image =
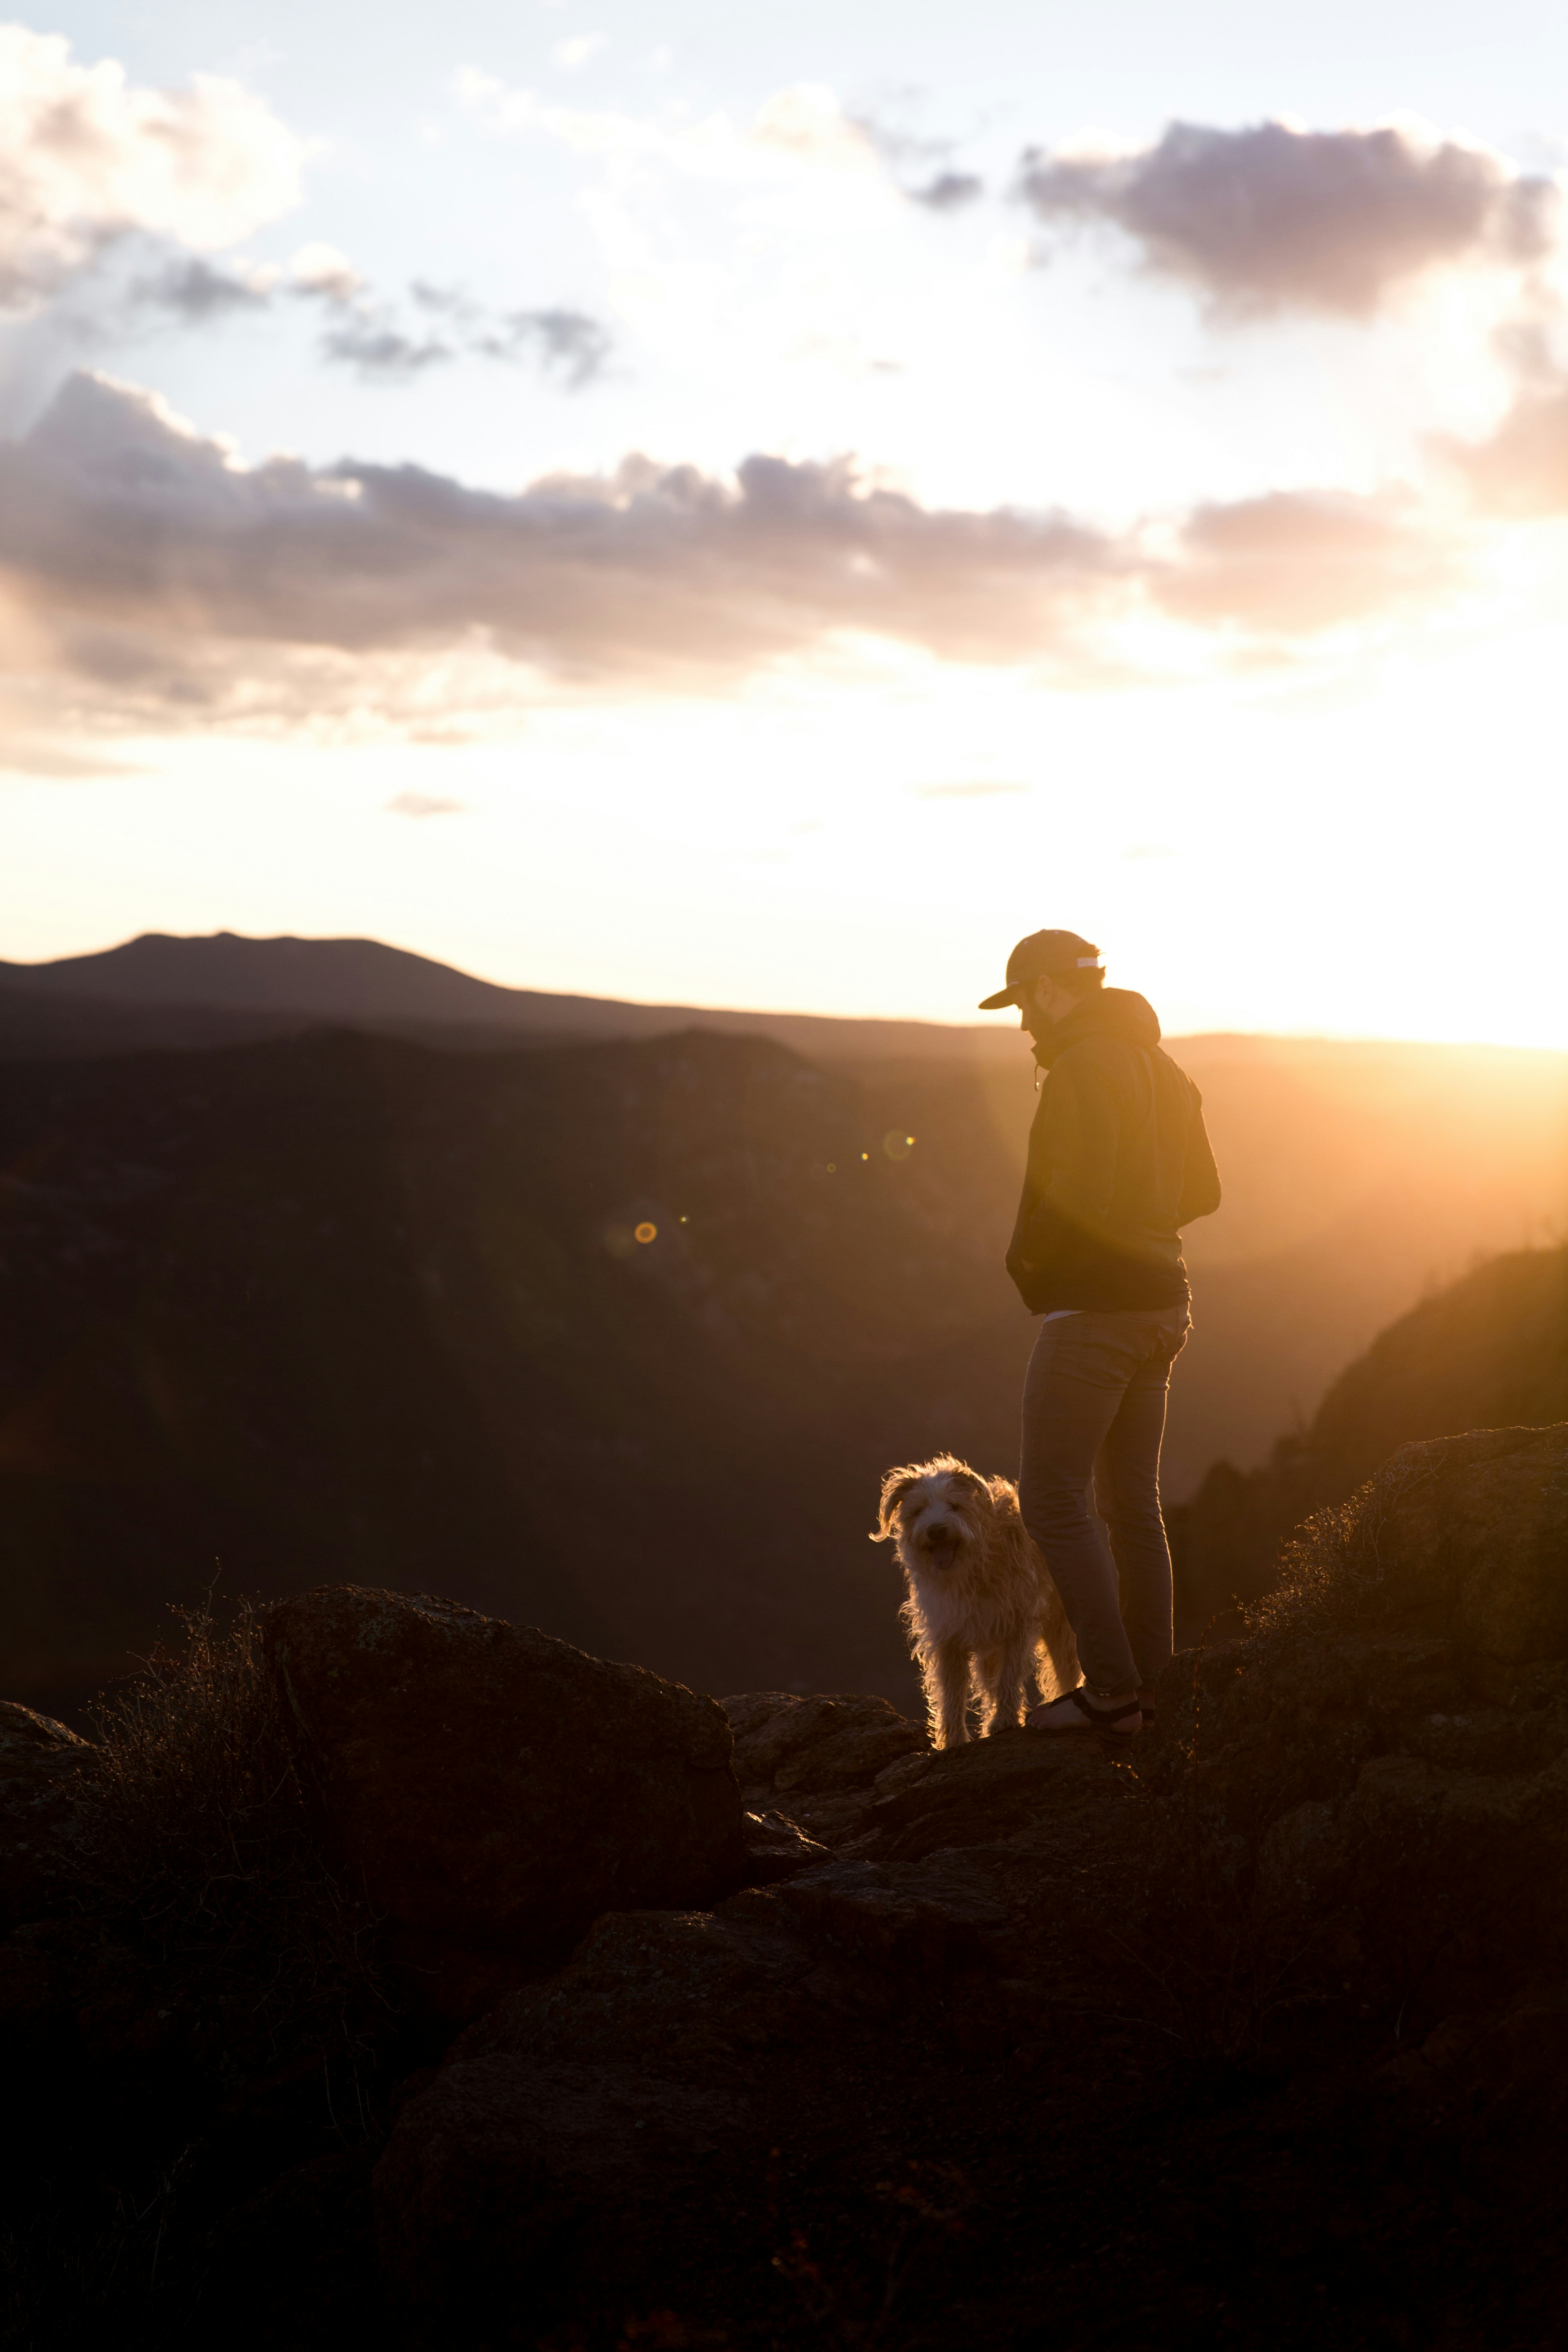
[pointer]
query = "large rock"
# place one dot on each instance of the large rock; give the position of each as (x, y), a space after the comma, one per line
(616, 2137)
(778, 1848)
(1389, 1755)
(1463, 1537)
(493, 1789)
(38, 1763)
(580, 2140)
(817, 1759)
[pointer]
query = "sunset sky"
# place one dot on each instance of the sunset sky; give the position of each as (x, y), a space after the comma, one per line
(763, 507)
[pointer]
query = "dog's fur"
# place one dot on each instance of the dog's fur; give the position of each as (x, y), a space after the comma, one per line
(982, 1612)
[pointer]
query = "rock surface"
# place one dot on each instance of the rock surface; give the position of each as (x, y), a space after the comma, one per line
(1401, 1788)
(38, 1760)
(493, 1789)
(778, 1848)
(1465, 1538)
(1254, 2031)
(1336, 1825)
(817, 1759)
(610, 2132)
(624, 2088)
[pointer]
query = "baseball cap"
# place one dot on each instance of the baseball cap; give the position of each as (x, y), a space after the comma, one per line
(1036, 958)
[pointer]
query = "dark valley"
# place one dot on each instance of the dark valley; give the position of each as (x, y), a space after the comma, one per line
(339, 1303)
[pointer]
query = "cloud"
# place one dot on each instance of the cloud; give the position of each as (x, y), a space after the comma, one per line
(807, 123)
(905, 149)
(568, 341)
(1520, 467)
(196, 292)
(92, 168)
(367, 336)
(85, 159)
(977, 792)
(22, 757)
(1296, 562)
(1275, 217)
(801, 127)
(423, 805)
(322, 271)
(381, 352)
(564, 342)
(120, 523)
(574, 55)
(158, 581)
(949, 192)
(363, 329)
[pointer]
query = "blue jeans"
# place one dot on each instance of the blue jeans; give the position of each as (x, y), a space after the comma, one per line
(1094, 1415)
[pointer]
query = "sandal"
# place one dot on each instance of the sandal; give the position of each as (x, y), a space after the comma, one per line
(1076, 1711)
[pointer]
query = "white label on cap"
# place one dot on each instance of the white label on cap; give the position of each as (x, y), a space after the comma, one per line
(1091, 963)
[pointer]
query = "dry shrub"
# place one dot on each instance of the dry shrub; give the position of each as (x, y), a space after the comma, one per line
(199, 1832)
(1324, 1585)
(1330, 1576)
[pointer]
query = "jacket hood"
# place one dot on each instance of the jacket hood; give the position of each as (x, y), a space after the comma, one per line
(1107, 1012)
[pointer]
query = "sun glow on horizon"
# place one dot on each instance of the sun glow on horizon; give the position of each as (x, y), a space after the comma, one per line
(1267, 858)
(881, 541)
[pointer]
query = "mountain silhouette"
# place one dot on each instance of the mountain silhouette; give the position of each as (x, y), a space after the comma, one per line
(146, 992)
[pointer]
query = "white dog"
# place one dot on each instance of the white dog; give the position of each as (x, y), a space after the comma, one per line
(981, 1610)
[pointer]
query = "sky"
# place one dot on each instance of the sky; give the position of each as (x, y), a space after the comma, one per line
(763, 508)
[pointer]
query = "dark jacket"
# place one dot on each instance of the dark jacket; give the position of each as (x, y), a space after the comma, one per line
(1119, 1162)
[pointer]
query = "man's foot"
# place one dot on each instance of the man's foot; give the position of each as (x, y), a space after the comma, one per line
(1077, 1711)
(1146, 1701)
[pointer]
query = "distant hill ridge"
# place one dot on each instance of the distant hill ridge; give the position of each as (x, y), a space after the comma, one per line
(365, 984)
(1355, 1172)
(166, 988)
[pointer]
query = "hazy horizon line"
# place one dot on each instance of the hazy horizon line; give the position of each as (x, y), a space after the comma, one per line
(958, 1023)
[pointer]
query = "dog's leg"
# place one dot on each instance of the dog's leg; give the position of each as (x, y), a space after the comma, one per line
(1013, 1666)
(990, 1682)
(1057, 1656)
(945, 1678)
(948, 1670)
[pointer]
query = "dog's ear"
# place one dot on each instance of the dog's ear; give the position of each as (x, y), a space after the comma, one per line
(895, 1486)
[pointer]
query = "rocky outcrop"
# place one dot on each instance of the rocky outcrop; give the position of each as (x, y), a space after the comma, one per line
(38, 1763)
(609, 2137)
(778, 1848)
(1471, 1533)
(1253, 2031)
(627, 2087)
(816, 1760)
(1338, 1822)
(491, 1789)
(1389, 1757)
(1464, 1537)
(1488, 1355)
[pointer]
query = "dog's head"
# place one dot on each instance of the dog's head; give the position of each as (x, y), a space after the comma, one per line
(935, 1511)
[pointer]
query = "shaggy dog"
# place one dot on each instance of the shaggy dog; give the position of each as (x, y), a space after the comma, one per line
(981, 1610)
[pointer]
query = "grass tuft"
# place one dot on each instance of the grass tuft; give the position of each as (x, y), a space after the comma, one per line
(1330, 1576)
(199, 1832)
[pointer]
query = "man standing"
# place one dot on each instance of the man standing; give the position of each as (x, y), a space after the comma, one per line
(1119, 1161)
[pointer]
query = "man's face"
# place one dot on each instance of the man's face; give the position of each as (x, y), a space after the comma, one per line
(1038, 1011)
